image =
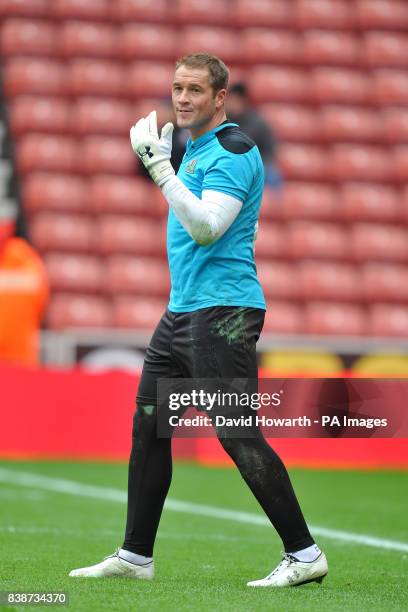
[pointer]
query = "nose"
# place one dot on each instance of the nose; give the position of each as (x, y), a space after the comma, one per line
(183, 97)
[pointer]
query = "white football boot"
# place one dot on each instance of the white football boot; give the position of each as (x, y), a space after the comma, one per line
(113, 566)
(291, 572)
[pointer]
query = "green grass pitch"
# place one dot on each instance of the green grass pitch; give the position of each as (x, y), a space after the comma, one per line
(202, 562)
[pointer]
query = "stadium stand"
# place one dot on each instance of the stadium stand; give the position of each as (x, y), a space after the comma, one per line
(329, 77)
(284, 318)
(138, 276)
(67, 310)
(279, 279)
(329, 281)
(75, 272)
(310, 201)
(46, 191)
(137, 312)
(39, 114)
(292, 122)
(63, 232)
(33, 76)
(334, 318)
(303, 362)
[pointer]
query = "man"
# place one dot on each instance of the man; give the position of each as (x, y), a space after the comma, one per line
(240, 111)
(213, 321)
(251, 122)
(23, 293)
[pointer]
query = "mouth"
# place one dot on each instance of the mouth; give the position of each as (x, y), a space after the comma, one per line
(183, 111)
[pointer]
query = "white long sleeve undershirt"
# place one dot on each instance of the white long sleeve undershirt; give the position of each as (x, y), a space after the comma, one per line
(205, 220)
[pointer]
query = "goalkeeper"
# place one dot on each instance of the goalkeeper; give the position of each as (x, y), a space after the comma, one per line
(213, 321)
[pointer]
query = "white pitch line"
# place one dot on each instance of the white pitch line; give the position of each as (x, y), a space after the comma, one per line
(35, 530)
(60, 485)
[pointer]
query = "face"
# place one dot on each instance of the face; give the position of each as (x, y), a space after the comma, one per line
(197, 107)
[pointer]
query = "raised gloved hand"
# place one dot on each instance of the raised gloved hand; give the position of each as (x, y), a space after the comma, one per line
(154, 152)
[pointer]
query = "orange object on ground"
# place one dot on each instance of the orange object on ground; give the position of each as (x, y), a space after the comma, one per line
(23, 295)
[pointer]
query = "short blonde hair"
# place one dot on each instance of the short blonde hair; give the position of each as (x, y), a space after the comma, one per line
(217, 70)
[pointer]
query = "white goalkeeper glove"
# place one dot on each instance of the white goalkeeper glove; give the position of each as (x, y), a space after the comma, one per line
(154, 152)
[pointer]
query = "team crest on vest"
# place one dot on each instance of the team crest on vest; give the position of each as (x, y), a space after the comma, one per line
(191, 166)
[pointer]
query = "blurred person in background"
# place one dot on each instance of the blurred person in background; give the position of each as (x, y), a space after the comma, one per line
(23, 293)
(240, 111)
(213, 321)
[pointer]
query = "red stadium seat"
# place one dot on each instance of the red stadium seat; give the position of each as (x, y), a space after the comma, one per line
(391, 87)
(271, 241)
(158, 204)
(140, 10)
(310, 201)
(400, 162)
(107, 155)
(336, 85)
(80, 9)
(53, 153)
(93, 77)
(264, 13)
(349, 124)
(404, 202)
(385, 282)
(140, 276)
(17, 8)
(271, 206)
(125, 234)
(149, 79)
(329, 281)
(322, 14)
(379, 242)
(59, 232)
(324, 318)
(26, 37)
(34, 76)
(382, 14)
(385, 49)
(87, 40)
(292, 122)
(283, 318)
(75, 311)
(262, 45)
(330, 48)
(396, 125)
(388, 320)
(309, 240)
(32, 114)
(370, 202)
(202, 11)
(101, 116)
(238, 73)
(119, 194)
(147, 41)
(138, 312)
(75, 272)
(304, 162)
(365, 163)
(54, 192)
(143, 106)
(280, 280)
(217, 41)
(267, 84)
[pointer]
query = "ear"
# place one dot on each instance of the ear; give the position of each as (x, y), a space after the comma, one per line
(220, 98)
